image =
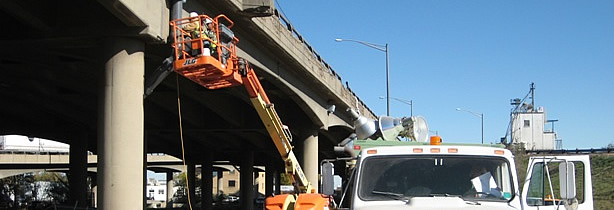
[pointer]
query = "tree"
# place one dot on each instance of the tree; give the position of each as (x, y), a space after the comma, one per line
(182, 190)
(21, 190)
(17, 191)
(58, 188)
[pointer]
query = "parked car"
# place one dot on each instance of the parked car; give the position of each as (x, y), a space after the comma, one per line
(231, 199)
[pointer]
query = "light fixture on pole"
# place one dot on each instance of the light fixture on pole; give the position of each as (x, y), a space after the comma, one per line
(480, 115)
(383, 48)
(408, 102)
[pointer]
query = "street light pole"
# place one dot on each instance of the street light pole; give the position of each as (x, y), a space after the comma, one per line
(480, 115)
(408, 102)
(387, 83)
(383, 48)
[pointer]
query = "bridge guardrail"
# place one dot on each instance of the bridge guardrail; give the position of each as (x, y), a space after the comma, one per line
(32, 152)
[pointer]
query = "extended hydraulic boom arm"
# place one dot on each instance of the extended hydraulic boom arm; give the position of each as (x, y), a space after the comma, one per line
(221, 68)
(279, 133)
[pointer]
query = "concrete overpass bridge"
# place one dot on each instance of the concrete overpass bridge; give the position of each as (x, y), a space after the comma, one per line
(15, 163)
(19, 162)
(73, 71)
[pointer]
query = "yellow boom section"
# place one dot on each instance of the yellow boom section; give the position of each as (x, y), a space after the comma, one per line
(281, 137)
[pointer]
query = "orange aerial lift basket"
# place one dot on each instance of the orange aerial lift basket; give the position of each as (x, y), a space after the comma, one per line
(206, 55)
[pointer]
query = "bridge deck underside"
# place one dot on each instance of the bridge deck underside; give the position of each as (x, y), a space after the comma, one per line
(51, 68)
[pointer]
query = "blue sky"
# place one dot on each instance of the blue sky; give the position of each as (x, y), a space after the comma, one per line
(473, 54)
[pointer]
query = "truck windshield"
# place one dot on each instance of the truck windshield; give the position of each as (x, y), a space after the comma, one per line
(471, 178)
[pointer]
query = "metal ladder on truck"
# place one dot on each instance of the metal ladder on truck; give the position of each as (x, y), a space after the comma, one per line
(221, 69)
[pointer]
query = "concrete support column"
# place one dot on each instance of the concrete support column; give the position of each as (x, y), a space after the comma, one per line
(220, 184)
(145, 178)
(206, 186)
(77, 176)
(95, 192)
(268, 182)
(278, 183)
(310, 158)
(247, 180)
(120, 144)
(191, 183)
(170, 184)
(280, 169)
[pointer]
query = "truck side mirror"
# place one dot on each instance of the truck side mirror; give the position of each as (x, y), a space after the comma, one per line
(567, 179)
(328, 179)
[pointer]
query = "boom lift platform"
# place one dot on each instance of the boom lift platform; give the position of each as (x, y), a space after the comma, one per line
(219, 67)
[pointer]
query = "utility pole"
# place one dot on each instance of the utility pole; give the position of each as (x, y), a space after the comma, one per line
(533, 95)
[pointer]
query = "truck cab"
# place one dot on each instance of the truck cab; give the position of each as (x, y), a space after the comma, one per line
(387, 173)
(417, 175)
(422, 176)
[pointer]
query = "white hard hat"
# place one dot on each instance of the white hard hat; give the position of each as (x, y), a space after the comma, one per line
(208, 20)
(193, 14)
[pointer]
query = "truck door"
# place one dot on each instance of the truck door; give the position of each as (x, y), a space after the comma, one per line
(558, 182)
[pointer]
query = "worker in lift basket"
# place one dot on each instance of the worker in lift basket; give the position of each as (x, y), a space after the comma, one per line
(210, 32)
(200, 30)
(483, 184)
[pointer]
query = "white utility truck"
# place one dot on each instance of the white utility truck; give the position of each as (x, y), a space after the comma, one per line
(391, 174)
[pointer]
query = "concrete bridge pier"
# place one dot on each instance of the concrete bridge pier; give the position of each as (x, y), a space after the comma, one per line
(247, 180)
(269, 174)
(220, 184)
(121, 143)
(77, 176)
(191, 179)
(278, 182)
(207, 181)
(169, 189)
(310, 158)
